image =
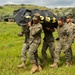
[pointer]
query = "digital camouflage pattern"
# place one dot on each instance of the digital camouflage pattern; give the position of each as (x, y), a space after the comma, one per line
(26, 43)
(72, 26)
(34, 42)
(64, 43)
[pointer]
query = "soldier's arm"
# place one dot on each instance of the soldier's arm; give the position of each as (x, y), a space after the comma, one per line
(52, 30)
(23, 29)
(74, 31)
(22, 32)
(70, 34)
(36, 30)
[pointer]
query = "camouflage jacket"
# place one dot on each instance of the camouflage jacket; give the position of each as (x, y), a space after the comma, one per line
(24, 29)
(72, 26)
(65, 34)
(35, 33)
(26, 32)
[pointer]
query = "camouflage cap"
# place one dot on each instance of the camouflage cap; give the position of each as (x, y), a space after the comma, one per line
(36, 16)
(69, 16)
(60, 18)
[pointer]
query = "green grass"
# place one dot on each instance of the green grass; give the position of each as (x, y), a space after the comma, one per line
(10, 54)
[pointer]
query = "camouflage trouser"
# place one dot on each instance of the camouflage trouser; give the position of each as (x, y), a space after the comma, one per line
(63, 47)
(24, 50)
(33, 54)
(51, 49)
(71, 53)
(71, 50)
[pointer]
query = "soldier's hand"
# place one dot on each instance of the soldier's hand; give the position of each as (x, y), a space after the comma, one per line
(67, 47)
(29, 24)
(20, 34)
(48, 28)
(52, 30)
(72, 37)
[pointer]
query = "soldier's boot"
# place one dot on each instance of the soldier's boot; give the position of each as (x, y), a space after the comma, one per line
(34, 68)
(54, 65)
(21, 65)
(68, 64)
(39, 68)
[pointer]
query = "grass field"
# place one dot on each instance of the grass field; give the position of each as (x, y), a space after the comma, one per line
(10, 54)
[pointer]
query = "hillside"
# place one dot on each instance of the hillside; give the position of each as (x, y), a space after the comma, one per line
(8, 9)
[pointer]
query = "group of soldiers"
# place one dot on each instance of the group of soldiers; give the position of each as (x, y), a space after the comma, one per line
(32, 31)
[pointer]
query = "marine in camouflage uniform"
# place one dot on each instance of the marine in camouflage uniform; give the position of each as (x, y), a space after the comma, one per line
(25, 30)
(48, 42)
(71, 26)
(63, 43)
(34, 42)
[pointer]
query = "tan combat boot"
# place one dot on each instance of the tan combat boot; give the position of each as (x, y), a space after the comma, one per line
(34, 68)
(68, 64)
(54, 65)
(39, 68)
(21, 65)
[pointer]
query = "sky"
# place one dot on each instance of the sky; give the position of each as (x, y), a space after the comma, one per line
(46, 3)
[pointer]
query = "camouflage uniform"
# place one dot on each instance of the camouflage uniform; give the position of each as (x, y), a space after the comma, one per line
(72, 26)
(65, 39)
(48, 42)
(35, 40)
(25, 45)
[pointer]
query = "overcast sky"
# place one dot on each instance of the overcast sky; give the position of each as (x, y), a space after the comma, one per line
(47, 3)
